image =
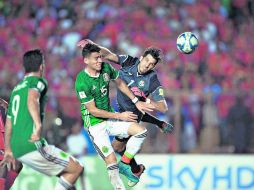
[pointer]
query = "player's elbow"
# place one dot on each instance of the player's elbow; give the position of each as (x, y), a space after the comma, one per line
(93, 112)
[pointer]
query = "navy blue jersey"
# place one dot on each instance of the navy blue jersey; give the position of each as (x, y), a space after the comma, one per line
(148, 83)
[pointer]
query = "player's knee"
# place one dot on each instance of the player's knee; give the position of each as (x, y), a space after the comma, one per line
(80, 169)
(75, 166)
(110, 159)
(141, 129)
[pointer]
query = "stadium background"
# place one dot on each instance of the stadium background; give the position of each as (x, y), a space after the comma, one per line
(209, 93)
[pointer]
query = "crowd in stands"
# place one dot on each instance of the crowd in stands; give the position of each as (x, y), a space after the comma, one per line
(201, 88)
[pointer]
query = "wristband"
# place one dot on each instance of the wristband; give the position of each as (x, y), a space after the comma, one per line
(148, 101)
(134, 100)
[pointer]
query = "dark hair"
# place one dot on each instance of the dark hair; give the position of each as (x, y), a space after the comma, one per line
(90, 48)
(154, 52)
(32, 60)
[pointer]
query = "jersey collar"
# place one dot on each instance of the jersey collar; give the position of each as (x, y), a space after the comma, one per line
(90, 75)
(29, 75)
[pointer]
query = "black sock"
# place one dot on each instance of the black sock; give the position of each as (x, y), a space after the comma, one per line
(134, 166)
(151, 119)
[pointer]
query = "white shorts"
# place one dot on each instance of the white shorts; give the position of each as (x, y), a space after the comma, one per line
(48, 160)
(100, 133)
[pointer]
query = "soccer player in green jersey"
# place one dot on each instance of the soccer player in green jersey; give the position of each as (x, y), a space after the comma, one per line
(23, 125)
(100, 121)
(141, 78)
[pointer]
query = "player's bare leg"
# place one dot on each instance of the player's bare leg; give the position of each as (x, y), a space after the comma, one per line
(69, 176)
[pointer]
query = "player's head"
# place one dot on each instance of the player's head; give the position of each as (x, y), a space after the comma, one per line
(92, 57)
(33, 61)
(149, 59)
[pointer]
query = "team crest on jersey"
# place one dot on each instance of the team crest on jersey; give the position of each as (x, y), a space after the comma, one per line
(141, 83)
(82, 95)
(106, 77)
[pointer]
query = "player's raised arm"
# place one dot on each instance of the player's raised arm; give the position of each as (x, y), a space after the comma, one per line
(141, 106)
(105, 52)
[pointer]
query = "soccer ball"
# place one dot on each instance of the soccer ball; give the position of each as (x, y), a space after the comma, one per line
(187, 42)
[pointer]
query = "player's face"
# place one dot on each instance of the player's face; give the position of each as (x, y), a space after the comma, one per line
(146, 64)
(94, 61)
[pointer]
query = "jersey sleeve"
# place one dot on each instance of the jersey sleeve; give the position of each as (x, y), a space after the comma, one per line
(83, 92)
(114, 73)
(156, 88)
(39, 84)
(127, 60)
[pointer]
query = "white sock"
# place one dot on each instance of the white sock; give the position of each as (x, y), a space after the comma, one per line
(63, 184)
(114, 177)
(135, 142)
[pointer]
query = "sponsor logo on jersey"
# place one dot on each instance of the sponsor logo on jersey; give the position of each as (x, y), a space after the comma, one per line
(106, 77)
(82, 94)
(141, 83)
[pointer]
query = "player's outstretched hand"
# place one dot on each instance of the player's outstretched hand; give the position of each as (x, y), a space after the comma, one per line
(143, 107)
(128, 116)
(83, 42)
(8, 160)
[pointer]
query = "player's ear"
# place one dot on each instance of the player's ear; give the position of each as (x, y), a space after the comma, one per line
(85, 60)
(41, 69)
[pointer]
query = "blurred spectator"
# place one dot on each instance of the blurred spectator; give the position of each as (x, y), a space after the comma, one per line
(76, 142)
(209, 136)
(239, 118)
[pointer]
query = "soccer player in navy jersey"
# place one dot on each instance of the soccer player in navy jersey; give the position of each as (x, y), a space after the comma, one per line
(139, 75)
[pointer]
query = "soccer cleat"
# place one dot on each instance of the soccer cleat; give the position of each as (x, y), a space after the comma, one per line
(142, 169)
(166, 127)
(125, 169)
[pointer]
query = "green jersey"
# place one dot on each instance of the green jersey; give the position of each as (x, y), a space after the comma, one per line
(89, 88)
(22, 122)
